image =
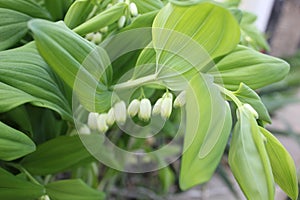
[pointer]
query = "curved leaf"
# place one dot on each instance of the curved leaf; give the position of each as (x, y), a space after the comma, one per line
(14, 188)
(13, 27)
(32, 81)
(13, 143)
(146, 6)
(85, 68)
(207, 131)
(283, 166)
(248, 158)
(28, 7)
(250, 67)
(72, 189)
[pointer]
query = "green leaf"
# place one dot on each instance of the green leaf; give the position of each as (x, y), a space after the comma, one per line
(25, 77)
(78, 13)
(283, 166)
(72, 190)
(13, 143)
(57, 8)
(14, 188)
(13, 27)
(167, 178)
(85, 68)
(211, 26)
(250, 67)
(141, 21)
(103, 19)
(207, 131)
(247, 95)
(58, 155)
(248, 158)
(28, 7)
(148, 5)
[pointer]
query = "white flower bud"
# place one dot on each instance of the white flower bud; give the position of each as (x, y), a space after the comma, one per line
(97, 38)
(101, 123)
(133, 107)
(120, 112)
(157, 107)
(45, 197)
(120, 1)
(109, 6)
(92, 120)
(251, 109)
(166, 107)
(133, 9)
(122, 21)
(111, 117)
(85, 130)
(104, 29)
(89, 36)
(145, 110)
(180, 100)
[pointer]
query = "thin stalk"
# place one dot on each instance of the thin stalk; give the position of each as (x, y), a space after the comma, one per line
(230, 94)
(133, 83)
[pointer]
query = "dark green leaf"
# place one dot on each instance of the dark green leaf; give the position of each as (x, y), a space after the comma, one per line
(13, 143)
(57, 155)
(13, 27)
(25, 77)
(72, 190)
(14, 188)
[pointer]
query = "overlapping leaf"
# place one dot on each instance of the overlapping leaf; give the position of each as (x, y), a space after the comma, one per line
(245, 65)
(13, 143)
(25, 77)
(85, 66)
(14, 188)
(207, 131)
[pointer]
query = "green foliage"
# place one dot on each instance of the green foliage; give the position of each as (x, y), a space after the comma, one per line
(202, 50)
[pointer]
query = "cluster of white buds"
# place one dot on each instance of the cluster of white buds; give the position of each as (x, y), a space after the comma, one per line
(132, 9)
(95, 38)
(141, 108)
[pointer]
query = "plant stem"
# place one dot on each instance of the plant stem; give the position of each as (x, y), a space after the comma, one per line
(133, 83)
(231, 96)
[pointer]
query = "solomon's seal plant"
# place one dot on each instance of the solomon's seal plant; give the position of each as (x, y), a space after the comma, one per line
(124, 82)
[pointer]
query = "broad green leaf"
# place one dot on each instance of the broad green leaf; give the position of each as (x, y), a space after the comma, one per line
(57, 8)
(78, 13)
(103, 19)
(14, 188)
(211, 26)
(29, 79)
(85, 68)
(148, 5)
(248, 158)
(13, 143)
(245, 65)
(74, 189)
(141, 21)
(247, 95)
(58, 155)
(28, 7)
(283, 166)
(207, 131)
(13, 27)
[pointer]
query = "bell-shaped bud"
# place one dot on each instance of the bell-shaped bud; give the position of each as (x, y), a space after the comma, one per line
(166, 107)
(180, 100)
(133, 108)
(122, 21)
(252, 110)
(120, 112)
(104, 29)
(89, 36)
(97, 38)
(145, 110)
(92, 120)
(111, 117)
(101, 123)
(84, 130)
(157, 107)
(133, 9)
